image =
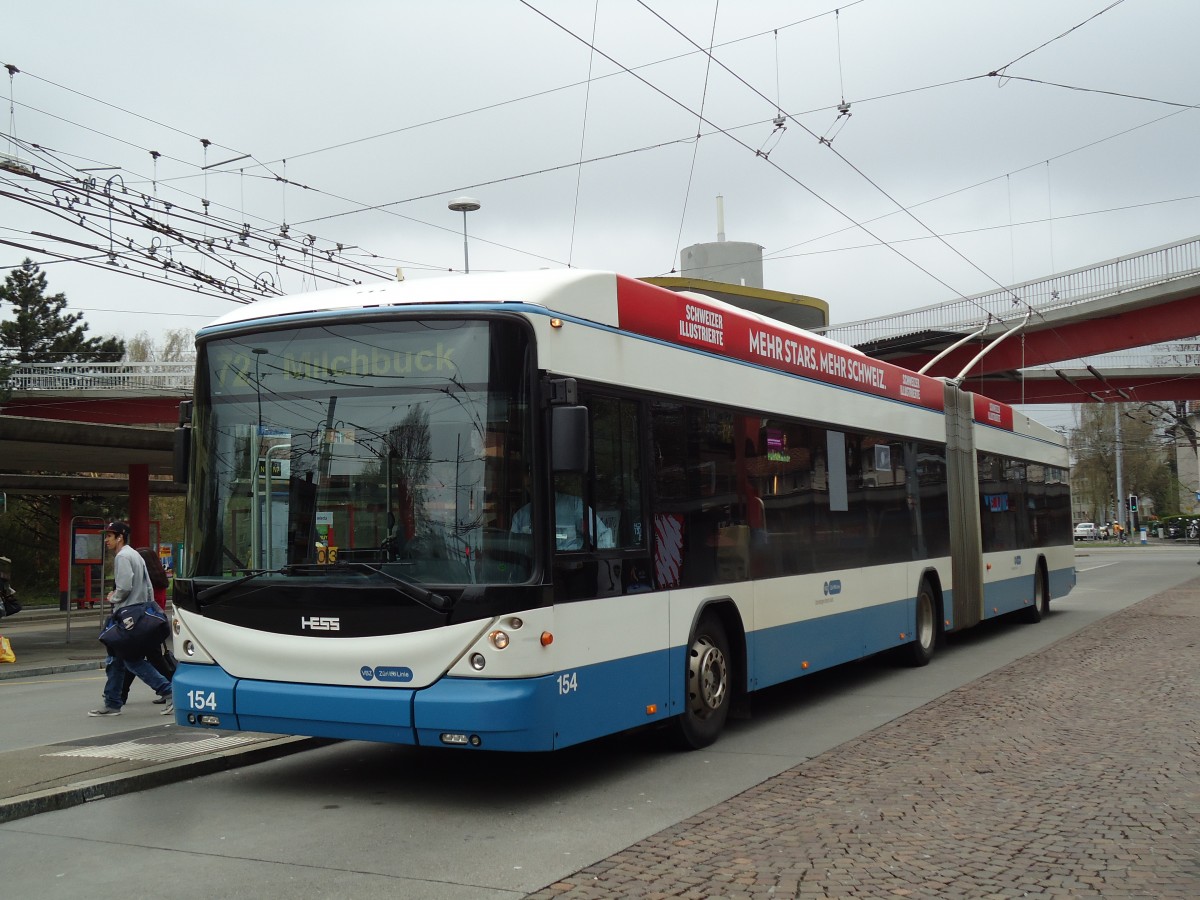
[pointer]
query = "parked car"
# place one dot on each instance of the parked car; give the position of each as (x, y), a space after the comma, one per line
(1087, 531)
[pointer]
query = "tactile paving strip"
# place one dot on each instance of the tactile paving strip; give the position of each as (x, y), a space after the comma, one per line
(157, 752)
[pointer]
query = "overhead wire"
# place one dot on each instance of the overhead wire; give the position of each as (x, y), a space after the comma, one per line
(307, 247)
(687, 191)
(543, 93)
(716, 130)
(1017, 300)
(1045, 44)
(284, 182)
(812, 191)
(900, 207)
(583, 137)
(81, 204)
(154, 180)
(1088, 90)
(835, 11)
(986, 228)
(277, 177)
(841, 157)
(970, 187)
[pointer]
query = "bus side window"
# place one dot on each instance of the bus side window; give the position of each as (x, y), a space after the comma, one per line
(616, 472)
(696, 504)
(601, 514)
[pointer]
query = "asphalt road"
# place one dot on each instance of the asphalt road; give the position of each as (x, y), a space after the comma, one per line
(364, 820)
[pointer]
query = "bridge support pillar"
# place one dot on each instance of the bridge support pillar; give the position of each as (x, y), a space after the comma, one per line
(64, 552)
(139, 505)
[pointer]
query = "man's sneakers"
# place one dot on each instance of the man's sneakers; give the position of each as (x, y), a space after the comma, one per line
(166, 699)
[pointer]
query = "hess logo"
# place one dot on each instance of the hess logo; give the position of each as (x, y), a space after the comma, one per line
(320, 623)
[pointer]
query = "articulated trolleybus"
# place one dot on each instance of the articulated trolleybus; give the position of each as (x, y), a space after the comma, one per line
(521, 511)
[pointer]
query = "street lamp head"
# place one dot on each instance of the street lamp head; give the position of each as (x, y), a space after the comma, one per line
(464, 204)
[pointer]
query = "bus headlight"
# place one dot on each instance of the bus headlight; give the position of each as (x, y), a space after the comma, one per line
(478, 662)
(499, 639)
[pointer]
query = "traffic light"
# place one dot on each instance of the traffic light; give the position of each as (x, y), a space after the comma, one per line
(1133, 503)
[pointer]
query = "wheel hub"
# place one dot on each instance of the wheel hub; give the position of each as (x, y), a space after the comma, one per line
(708, 678)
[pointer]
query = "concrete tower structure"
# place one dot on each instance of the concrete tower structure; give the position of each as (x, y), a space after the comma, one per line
(732, 271)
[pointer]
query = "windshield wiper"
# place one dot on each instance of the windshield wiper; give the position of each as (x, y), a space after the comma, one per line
(217, 589)
(436, 602)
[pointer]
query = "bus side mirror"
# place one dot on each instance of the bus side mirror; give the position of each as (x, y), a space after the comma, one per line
(183, 453)
(569, 439)
(183, 443)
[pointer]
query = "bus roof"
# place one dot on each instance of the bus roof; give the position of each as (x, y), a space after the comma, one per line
(549, 288)
(690, 320)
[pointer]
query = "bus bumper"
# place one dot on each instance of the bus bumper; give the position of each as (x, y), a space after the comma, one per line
(487, 714)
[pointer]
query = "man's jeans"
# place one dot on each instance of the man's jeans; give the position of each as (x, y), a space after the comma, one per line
(115, 682)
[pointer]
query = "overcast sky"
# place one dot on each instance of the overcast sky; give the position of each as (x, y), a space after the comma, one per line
(1086, 151)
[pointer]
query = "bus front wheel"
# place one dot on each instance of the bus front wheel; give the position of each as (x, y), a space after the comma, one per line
(709, 685)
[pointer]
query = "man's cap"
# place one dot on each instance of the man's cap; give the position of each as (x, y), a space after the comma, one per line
(118, 527)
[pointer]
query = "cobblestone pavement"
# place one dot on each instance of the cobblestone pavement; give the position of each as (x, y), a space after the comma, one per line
(1073, 772)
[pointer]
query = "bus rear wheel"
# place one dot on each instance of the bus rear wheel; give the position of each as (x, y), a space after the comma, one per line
(925, 627)
(1041, 598)
(709, 685)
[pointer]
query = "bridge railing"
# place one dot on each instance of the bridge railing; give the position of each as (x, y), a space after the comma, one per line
(154, 377)
(1170, 355)
(1160, 265)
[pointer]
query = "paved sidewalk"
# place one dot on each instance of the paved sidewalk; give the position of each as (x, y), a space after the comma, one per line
(42, 644)
(135, 757)
(1073, 772)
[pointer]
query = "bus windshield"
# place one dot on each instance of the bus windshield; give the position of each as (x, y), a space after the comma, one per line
(386, 448)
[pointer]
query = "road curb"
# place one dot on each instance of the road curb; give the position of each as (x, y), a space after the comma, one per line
(51, 670)
(52, 799)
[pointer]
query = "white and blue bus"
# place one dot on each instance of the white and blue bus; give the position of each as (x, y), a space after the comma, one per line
(521, 511)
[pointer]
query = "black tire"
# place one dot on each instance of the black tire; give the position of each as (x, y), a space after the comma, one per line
(709, 688)
(926, 627)
(1034, 613)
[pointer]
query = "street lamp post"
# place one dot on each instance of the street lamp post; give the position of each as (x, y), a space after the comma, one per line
(464, 205)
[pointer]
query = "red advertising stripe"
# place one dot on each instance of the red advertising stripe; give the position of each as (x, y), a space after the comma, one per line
(993, 412)
(718, 328)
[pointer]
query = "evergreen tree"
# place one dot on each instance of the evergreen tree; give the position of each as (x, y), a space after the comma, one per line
(36, 328)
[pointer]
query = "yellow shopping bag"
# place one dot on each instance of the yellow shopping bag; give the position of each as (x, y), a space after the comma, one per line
(6, 651)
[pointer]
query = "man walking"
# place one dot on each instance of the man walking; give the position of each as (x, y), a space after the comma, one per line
(131, 588)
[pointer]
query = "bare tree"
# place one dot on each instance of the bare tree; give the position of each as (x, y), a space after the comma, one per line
(177, 345)
(1145, 460)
